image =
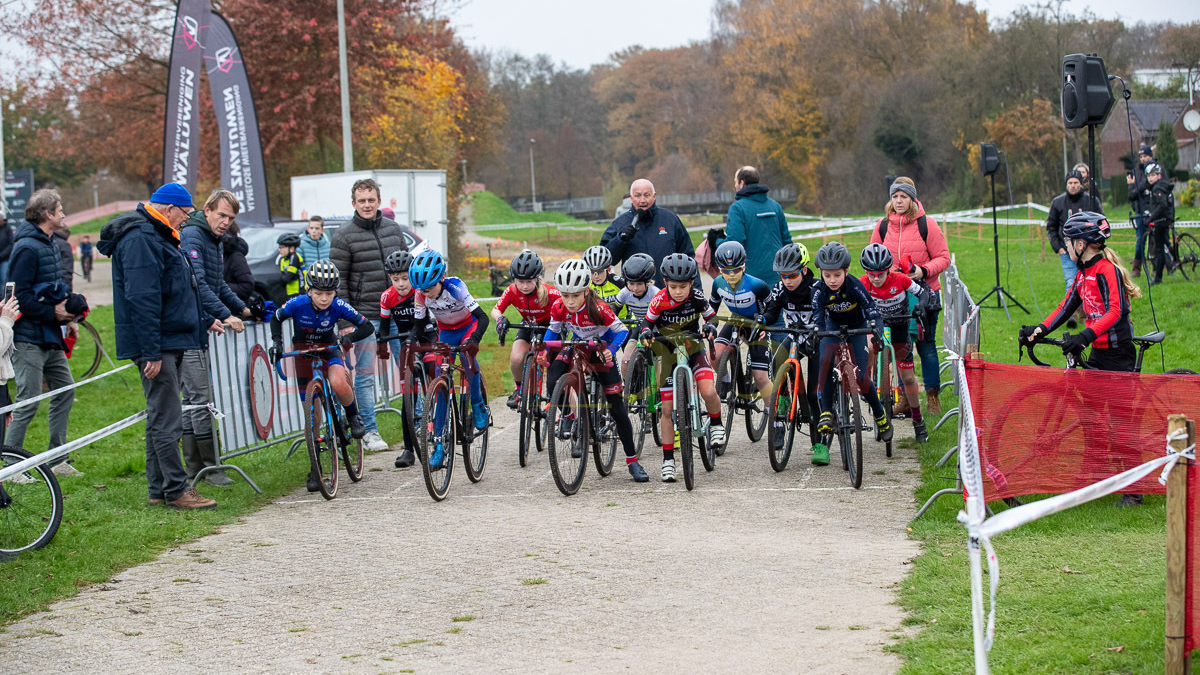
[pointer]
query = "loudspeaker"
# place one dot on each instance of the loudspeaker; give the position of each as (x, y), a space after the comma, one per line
(989, 158)
(1087, 95)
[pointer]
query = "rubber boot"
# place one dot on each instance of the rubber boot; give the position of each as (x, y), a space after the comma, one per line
(192, 460)
(932, 404)
(208, 454)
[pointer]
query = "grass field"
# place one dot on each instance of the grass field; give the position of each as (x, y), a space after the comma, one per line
(92, 226)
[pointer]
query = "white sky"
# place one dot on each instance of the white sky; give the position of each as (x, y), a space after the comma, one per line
(586, 32)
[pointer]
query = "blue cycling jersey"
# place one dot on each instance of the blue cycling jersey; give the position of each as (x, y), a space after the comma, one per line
(312, 326)
(745, 299)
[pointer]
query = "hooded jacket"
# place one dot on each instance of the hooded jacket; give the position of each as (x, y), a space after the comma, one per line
(904, 239)
(757, 222)
(358, 249)
(156, 299)
(197, 241)
(1061, 209)
(237, 269)
(313, 250)
(1161, 209)
(659, 234)
(35, 260)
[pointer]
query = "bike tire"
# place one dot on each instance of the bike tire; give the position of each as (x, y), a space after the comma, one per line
(89, 348)
(604, 431)
(474, 441)
(683, 424)
(850, 431)
(782, 427)
(755, 406)
(887, 399)
(415, 394)
(1187, 250)
(525, 433)
(567, 469)
(727, 392)
(438, 481)
(321, 439)
(637, 400)
(30, 512)
(352, 458)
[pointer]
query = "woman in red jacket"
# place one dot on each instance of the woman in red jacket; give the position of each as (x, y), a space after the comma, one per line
(912, 236)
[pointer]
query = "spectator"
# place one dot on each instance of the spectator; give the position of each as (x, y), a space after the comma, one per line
(38, 352)
(6, 244)
(10, 310)
(237, 269)
(314, 245)
(1160, 217)
(1139, 199)
(66, 257)
(291, 265)
(158, 316)
(1089, 185)
(624, 207)
(1074, 200)
(358, 249)
(916, 241)
(200, 240)
(757, 223)
(648, 229)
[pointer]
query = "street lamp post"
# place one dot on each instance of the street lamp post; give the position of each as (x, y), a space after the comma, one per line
(464, 171)
(532, 179)
(347, 141)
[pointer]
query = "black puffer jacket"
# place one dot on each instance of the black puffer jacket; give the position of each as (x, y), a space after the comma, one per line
(237, 269)
(659, 234)
(358, 249)
(197, 241)
(1161, 209)
(66, 259)
(1063, 207)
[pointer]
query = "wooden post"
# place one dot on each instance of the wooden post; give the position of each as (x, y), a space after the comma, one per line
(1178, 662)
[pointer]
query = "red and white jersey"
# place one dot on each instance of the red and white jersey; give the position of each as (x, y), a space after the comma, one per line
(665, 314)
(891, 299)
(528, 305)
(452, 309)
(610, 330)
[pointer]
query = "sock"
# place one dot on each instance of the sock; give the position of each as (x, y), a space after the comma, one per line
(352, 409)
(668, 451)
(632, 459)
(716, 419)
(916, 413)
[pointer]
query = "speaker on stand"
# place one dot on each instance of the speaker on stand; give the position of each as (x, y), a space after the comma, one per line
(989, 161)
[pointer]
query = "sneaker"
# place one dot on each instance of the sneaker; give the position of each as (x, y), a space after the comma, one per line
(820, 455)
(25, 478)
(920, 431)
(373, 442)
(514, 399)
(1129, 500)
(716, 436)
(313, 484)
(405, 460)
(190, 499)
(566, 426)
(482, 416)
(438, 458)
(885, 428)
(825, 423)
(668, 471)
(65, 469)
(357, 429)
(218, 478)
(638, 473)
(779, 434)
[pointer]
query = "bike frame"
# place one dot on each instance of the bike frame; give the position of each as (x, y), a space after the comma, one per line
(445, 370)
(334, 412)
(683, 367)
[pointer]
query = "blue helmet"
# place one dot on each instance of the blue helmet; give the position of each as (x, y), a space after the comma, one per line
(428, 268)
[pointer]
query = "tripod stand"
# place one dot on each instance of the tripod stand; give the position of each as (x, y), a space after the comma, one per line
(998, 290)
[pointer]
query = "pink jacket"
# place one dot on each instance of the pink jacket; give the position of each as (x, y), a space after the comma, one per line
(904, 238)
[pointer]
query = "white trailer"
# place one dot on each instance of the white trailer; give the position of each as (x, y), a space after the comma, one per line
(417, 196)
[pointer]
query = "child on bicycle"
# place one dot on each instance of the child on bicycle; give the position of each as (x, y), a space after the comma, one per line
(398, 305)
(890, 290)
(533, 299)
(635, 298)
(840, 299)
(582, 313)
(791, 300)
(315, 316)
(606, 285)
(460, 321)
(675, 310)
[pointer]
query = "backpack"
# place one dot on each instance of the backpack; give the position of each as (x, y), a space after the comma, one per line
(922, 227)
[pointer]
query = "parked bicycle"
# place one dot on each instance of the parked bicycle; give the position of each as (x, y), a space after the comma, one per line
(532, 405)
(847, 410)
(579, 416)
(31, 505)
(1182, 254)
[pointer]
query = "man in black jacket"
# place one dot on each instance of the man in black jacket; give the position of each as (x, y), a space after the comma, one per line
(1139, 189)
(1160, 217)
(1074, 200)
(648, 228)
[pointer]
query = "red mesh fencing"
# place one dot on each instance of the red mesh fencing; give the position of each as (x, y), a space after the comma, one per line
(1192, 599)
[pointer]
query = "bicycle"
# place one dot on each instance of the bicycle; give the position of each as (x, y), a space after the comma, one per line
(847, 412)
(688, 418)
(454, 401)
(531, 405)
(737, 389)
(325, 426)
(1143, 342)
(579, 413)
(1182, 254)
(31, 505)
(642, 397)
(795, 412)
(412, 389)
(884, 363)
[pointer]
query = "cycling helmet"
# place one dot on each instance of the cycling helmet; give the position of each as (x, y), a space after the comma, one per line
(679, 267)
(876, 258)
(833, 256)
(428, 268)
(397, 261)
(526, 265)
(729, 255)
(572, 276)
(791, 258)
(1153, 167)
(597, 258)
(1088, 226)
(323, 275)
(639, 267)
(288, 239)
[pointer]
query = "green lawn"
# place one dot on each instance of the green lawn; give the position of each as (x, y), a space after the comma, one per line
(488, 209)
(93, 225)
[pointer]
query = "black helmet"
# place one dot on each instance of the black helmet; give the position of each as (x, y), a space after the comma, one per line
(639, 267)
(876, 258)
(288, 239)
(791, 258)
(526, 265)
(679, 267)
(833, 256)
(597, 258)
(323, 275)
(397, 261)
(1087, 226)
(729, 255)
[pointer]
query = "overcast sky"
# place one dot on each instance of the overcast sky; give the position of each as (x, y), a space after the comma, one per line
(585, 32)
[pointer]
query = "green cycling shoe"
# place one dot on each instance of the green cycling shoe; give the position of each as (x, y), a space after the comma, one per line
(820, 455)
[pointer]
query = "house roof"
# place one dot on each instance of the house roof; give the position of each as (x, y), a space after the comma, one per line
(1152, 112)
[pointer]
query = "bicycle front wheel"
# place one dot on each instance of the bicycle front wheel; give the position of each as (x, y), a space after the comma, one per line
(438, 399)
(850, 431)
(321, 439)
(415, 395)
(727, 383)
(526, 433)
(604, 430)
(782, 431)
(566, 433)
(1187, 250)
(887, 396)
(637, 399)
(31, 506)
(474, 440)
(756, 407)
(683, 424)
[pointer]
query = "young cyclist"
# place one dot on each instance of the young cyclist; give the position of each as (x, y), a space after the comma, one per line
(890, 290)
(582, 313)
(635, 298)
(315, 316)
(460, 320)
(398, 306)
(533, 299)
(291, 265)
(599, 260)
(682, 307)
(840, 299)
(791, 300)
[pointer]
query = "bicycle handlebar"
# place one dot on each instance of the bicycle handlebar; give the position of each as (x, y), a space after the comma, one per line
(844, 332)
(535, 327)
(1027, 346)
(303, 352)
(559, 344)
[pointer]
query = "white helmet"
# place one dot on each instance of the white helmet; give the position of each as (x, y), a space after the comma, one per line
(572, 276)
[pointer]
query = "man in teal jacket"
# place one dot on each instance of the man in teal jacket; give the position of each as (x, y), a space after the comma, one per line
(756, 222)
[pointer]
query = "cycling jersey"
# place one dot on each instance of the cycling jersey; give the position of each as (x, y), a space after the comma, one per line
(312, 326)
(849, 306)
(610, 330)
(636, 306)
(1099, 290)
(453, 308)
(85, 250)
(669, 316)
(795, 306)
(401, 310)
(527, 305)
(891, 299)
(743, 300)
(608, 290)
(291, 273)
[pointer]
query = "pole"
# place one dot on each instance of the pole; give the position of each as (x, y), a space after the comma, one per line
(347, 141)
(532, 178)
(1178, 662)
(464, 165)
(1092, 183)
(996, 236)
(95, 196)
(3, 174)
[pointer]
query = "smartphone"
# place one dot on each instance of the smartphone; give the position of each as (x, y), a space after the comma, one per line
(10, 289)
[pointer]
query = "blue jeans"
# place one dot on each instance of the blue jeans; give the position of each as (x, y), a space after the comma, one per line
(927, 350)
(1139, 225)
(457, 337)
(364, 379)
(1069, 269)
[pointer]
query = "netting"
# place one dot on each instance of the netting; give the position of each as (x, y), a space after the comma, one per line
(1049, 430)
(1193, 583)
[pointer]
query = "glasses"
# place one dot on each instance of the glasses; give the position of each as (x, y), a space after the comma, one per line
(876, 274)
(730, 270)
(789, 277)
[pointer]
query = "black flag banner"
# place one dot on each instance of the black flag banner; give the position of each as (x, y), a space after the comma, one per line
(242, 170)
(181, 133)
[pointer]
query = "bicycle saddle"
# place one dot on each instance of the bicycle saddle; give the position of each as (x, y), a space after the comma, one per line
(1153, 338)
